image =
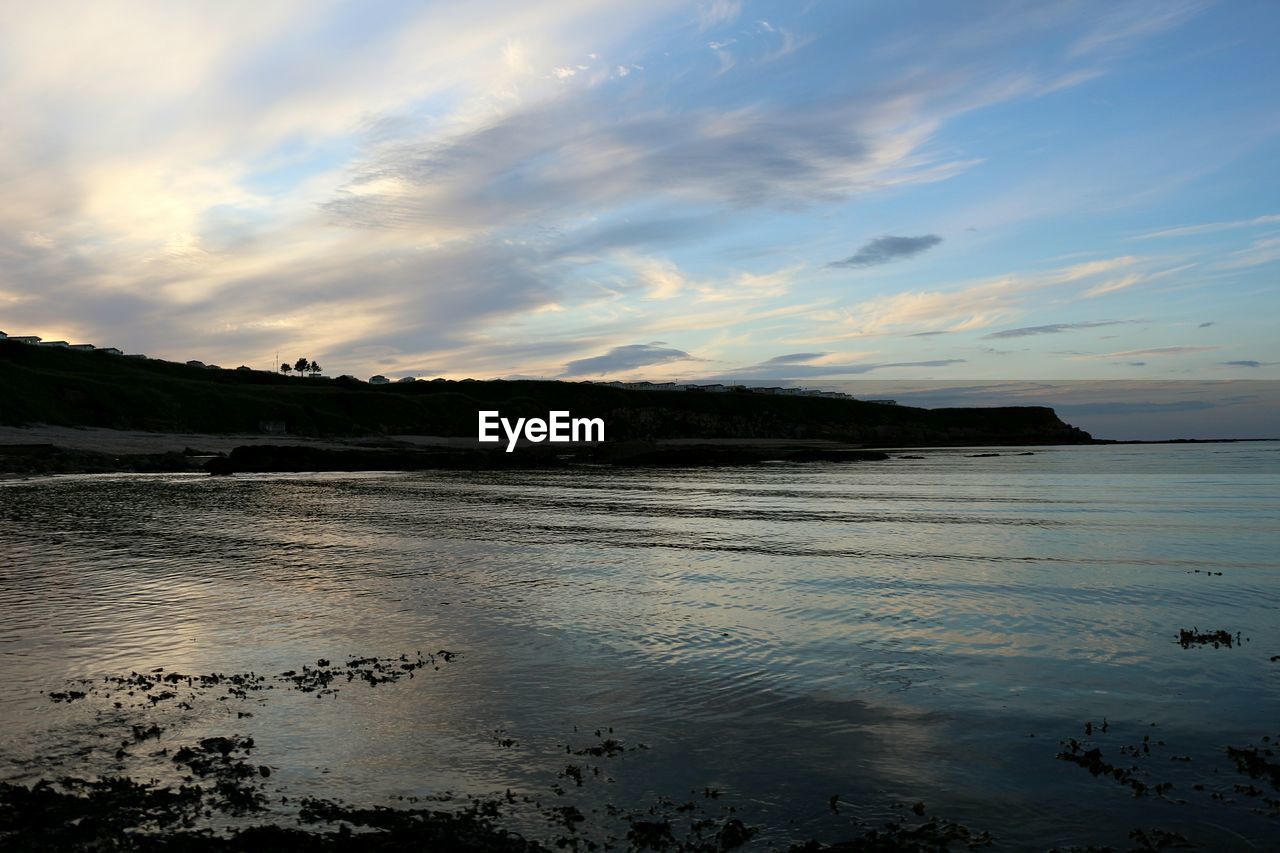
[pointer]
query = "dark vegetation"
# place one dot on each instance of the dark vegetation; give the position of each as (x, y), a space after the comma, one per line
(223, 794)
(69, 388)
(1196, 637)
(221, 777)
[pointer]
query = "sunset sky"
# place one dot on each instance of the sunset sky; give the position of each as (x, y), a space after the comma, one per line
(804, 192)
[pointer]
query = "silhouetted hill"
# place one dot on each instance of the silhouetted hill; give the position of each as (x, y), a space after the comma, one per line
(70, 388)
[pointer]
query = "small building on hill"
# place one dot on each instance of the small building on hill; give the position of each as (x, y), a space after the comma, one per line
(379, 380)
(195, 363)
(134, 355)
(83, 347)
(59, 344)
(26, 339)
(407, 379)
(110, 350)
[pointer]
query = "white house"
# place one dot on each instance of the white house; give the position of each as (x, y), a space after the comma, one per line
(110, 350)
(27, 339)
(407, 379)
(134, 355)
(378, 380)
(194, 363)
(3, 336)
(84, 347)
(62, 344)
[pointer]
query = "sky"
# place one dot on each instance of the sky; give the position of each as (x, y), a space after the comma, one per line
(778, 192)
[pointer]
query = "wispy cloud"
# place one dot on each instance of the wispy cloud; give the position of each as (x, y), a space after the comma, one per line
(883, 250)
(823, 366)
(1050, 329)
(968, 308)
(794, 358)
(1209, 227)
(1261, 252)
(624, 358)
(717, 13)
(1126, 23)
(1154, 351)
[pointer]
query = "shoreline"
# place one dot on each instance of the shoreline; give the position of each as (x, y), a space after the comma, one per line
(47, 450)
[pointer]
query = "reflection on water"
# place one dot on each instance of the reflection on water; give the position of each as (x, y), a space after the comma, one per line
(919, 629)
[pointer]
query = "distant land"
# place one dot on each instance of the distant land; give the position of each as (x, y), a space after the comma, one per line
(93, 389)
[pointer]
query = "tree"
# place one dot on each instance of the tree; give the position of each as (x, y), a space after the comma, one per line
(285, 368)
(302, 366)
(315, 368)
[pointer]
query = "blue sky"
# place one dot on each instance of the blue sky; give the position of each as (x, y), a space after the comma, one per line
(791, 192)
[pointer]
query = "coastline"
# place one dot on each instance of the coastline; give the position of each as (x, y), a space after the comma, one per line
(47, 449)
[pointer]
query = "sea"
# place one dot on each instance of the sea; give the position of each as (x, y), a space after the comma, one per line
(816, 649)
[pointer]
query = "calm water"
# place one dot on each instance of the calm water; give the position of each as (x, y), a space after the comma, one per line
(913, 630)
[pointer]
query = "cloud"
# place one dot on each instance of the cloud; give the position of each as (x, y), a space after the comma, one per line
(775, 370)
(632, 233)
(572, 155)
(883, 250)
(1205, 325)
(1209, 227)
(1154, 351)
(1125, 23)
(795, 358)
(624, 358)
(718, 12)
(966, 308)
(1261, 252)
(441, 194)
(1051, 329)
(1249, 363)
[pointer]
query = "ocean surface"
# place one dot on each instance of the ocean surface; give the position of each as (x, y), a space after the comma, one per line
(926, 630)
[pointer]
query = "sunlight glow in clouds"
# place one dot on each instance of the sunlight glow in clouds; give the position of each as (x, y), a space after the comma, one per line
(509, 188)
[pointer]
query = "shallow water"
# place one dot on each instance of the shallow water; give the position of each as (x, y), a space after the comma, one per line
(912, 630)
